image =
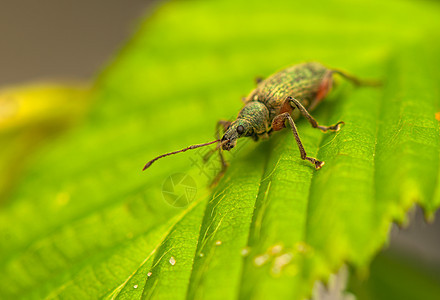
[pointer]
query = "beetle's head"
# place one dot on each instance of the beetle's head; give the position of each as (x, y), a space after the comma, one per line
(238, 128)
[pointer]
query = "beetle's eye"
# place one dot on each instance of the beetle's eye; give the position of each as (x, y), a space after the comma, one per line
(240, 129)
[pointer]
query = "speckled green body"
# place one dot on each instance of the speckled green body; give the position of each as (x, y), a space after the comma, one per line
(307, 82)
(299, 81)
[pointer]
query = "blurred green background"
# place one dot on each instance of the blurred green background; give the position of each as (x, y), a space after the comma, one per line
(77, 217)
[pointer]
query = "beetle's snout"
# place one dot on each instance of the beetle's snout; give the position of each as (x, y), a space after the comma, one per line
(227, 144)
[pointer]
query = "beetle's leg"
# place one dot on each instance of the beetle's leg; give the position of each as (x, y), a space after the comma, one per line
(222, 171)
(356, 81)
(221, 123)
(225, 125)
(278, 123)
(295, 103)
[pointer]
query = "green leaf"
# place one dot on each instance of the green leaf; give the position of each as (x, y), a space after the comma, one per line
(85, 222)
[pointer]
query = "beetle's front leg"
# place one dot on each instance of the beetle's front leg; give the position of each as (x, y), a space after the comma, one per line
(295, 103)
(278, 123)
(221, 125)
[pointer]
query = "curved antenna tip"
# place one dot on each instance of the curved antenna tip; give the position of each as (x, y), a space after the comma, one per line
(147, 165)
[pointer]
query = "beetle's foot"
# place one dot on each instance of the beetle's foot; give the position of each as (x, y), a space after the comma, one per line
(319, 164)
(337, 126)
(333, 128)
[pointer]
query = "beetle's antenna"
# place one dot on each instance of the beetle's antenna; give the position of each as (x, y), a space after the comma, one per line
(175, 152)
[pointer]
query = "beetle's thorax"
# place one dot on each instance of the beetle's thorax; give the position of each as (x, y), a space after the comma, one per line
(257, 114)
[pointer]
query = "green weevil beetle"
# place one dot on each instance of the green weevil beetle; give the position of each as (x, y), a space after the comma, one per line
(274, 104)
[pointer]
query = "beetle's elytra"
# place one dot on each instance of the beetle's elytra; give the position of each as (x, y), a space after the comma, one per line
(274, 104)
